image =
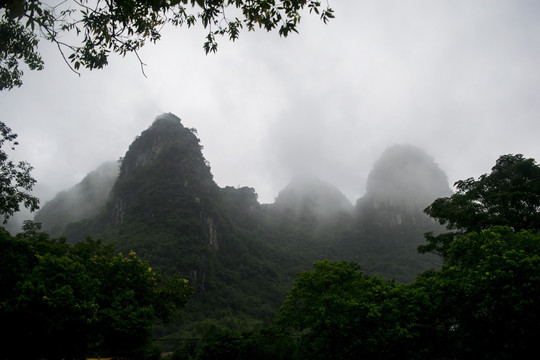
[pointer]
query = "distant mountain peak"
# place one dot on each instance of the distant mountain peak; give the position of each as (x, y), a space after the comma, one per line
(165, 159)
(403, 181)
(308, 193)
(165, 134)
(407, 172)
(167, 117)
(166, 206)
(81, 201)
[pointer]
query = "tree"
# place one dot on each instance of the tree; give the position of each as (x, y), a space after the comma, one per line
(508, 196)
(45, 298)
(124, 26)
(15, 179)
(341, 313)
(61, 301)
(16, 44)
(482, 304)
(485, 297)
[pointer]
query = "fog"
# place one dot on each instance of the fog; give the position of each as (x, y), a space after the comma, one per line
(407, 172)
(458, 79)
(82, 201)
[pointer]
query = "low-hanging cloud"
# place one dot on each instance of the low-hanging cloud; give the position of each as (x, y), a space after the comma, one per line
(456, 78)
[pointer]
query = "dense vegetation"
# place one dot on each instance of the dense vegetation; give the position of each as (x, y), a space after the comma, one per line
(67, 302)
(261, 286)
(241, 256)
(482, 303)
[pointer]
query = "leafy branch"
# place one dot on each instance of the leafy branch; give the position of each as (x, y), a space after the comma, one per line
(105, 27)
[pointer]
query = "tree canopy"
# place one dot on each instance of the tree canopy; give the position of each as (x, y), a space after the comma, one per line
(508, 196)
(484, 300)
(342, 313)
(61, 301)
(103, 27)
(482, 304)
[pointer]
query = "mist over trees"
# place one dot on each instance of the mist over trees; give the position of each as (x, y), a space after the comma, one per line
(308, 194)
(310, 276)
(81, 201)
(407, 173)
(404, 180)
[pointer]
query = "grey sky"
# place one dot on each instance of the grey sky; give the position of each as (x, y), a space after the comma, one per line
(459, 79)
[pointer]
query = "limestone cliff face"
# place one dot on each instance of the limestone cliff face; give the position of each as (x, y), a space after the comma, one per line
(403, 182)
(165, 198)
(165, 132)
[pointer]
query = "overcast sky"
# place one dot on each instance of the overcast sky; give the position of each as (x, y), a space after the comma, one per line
(458, 78)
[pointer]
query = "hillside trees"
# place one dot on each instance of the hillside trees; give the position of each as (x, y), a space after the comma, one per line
(342, 313)
(124, 26)
(62, 301)
(15, 179)
(482, 304)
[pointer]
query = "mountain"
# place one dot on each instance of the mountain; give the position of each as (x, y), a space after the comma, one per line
(80, 202)
(389, 219)
(241, 256)
(309, 195)
(403, 182)
(167, 208)
(163, 202)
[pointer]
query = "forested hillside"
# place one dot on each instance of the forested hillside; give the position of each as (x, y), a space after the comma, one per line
(241, 256)
(82, 201)
(410, 271)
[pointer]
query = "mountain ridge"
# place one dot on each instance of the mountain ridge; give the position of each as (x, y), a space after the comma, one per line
(242, 256)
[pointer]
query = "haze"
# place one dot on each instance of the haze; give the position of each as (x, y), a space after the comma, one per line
(458, 79)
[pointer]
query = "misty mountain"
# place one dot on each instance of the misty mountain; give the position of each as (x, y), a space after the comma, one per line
(162, 200)
(406, 173)
(309, 195)
(241, 256)
(82, 201)
(389, 219)
(403, 182)
(166, 207)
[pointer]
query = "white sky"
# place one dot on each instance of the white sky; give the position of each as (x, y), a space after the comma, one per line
(458, 78)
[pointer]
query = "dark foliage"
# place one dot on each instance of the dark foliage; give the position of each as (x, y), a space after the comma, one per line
(102, 28)
(15, 179)
(508, 196)
(67, 302)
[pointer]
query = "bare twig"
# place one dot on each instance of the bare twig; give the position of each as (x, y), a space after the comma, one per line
(141, 62)
(64, 56)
